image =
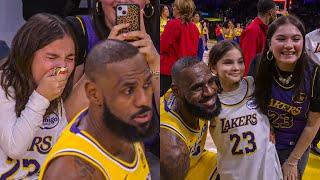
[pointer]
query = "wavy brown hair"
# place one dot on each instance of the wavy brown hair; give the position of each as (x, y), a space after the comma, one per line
(39, 31)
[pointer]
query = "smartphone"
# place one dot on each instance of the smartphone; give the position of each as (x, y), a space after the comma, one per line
(128, 13)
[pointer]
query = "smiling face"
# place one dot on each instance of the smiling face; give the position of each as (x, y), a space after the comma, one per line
(230, 69)
(109, 9)
(286, 46)
(198, 90)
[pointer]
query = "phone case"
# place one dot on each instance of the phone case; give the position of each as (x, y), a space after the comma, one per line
(128, 13)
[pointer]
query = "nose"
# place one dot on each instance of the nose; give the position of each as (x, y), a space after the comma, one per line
(142, 98)
(60, 63)
(288, 44)
(236, 66)
(209, 90)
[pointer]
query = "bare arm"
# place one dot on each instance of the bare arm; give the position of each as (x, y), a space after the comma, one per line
(174, 156)
(306, 137)
(71, 167)
(289, 168)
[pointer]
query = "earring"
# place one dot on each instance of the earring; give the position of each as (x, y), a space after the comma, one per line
(269, 58)
(148, 10)
(97, 7)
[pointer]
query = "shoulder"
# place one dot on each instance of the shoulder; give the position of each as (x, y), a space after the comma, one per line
(77, 169)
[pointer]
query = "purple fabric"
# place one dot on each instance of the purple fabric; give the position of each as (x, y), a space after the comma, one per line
(289, 122)
(93, 38)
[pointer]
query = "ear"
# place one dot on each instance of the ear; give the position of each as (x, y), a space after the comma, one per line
(175, 90)
(214, 70)
(94, 93)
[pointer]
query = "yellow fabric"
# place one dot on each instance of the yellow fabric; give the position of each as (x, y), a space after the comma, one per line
(312, 170)
(237, 31)
(198, 24)
(202, 163)
(163, 23)
(84, 146)
(206, 167)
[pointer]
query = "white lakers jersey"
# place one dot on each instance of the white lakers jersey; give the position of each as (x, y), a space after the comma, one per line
(29, 166)
(241, 134)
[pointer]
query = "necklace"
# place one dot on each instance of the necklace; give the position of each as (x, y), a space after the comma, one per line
(283, 80)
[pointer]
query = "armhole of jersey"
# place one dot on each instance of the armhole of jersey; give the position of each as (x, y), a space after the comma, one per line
(87, 158)
(313, 80)
(174, 131)
(84, 34)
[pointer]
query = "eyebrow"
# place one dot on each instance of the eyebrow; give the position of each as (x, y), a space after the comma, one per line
(56, 55)
(283, 35)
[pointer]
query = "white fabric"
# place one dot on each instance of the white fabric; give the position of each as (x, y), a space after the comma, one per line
(312, 45)
(252, 128)
(27, 138)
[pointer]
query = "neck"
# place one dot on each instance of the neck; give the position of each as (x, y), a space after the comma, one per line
(117, 146)
(185, 115)
(230, 86)
(264, 19)
(285, 67)
(164, 17)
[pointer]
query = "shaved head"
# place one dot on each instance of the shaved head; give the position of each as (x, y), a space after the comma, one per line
(108, 51)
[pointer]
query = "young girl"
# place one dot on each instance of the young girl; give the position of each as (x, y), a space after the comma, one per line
(241, 132)
(34, 80)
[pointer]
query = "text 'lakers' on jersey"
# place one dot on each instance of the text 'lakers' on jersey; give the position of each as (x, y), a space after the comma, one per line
(241, 134)
(202, 162)
(44, 139)
(76, 142)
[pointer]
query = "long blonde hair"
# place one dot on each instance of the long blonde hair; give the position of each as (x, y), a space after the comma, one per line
(185, 9)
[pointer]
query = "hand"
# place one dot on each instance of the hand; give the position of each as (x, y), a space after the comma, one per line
(51, 87)
(272, 137)
(145, 45)
(114, 33)
(290, 171)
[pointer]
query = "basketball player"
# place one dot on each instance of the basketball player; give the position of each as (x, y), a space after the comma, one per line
(241, 132)
(184, 113)
(104, 141)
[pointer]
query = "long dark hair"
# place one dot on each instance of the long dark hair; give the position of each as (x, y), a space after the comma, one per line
(39, 31)
(266, 68)
(152, 23)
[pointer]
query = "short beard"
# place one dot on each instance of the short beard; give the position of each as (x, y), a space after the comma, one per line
(201, 112)
(127, 131)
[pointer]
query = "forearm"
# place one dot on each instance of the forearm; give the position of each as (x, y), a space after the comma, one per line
(17, 133)
(304, 141)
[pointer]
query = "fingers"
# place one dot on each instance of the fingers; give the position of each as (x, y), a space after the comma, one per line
(142, 26)
(114, 33)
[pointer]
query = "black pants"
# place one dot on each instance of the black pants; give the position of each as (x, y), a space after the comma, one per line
(165, 84)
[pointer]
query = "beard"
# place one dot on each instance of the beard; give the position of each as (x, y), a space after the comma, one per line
(202, 112)
(127, 131)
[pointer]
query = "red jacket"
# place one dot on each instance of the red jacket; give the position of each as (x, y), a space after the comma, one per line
(252, 41)
(177, 40)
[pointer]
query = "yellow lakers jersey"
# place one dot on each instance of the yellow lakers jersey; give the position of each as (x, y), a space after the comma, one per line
(76, 142)
(170, 120)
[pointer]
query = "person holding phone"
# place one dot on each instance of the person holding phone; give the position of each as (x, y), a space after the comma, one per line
(35, 78)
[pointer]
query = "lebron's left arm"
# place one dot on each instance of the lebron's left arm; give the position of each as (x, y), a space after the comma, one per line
(174, 156)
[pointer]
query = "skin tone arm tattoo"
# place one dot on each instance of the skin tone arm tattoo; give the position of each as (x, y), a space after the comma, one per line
(174, 156)
(71, 167)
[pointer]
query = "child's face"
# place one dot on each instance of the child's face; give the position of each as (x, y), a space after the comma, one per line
(230, 68)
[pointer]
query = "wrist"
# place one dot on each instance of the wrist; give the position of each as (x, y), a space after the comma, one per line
(292, 160)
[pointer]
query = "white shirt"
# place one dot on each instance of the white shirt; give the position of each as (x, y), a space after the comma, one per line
(241, 135)
(312, 45)
(26, 140)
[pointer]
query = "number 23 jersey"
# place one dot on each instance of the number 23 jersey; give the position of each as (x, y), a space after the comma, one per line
(241, 134)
